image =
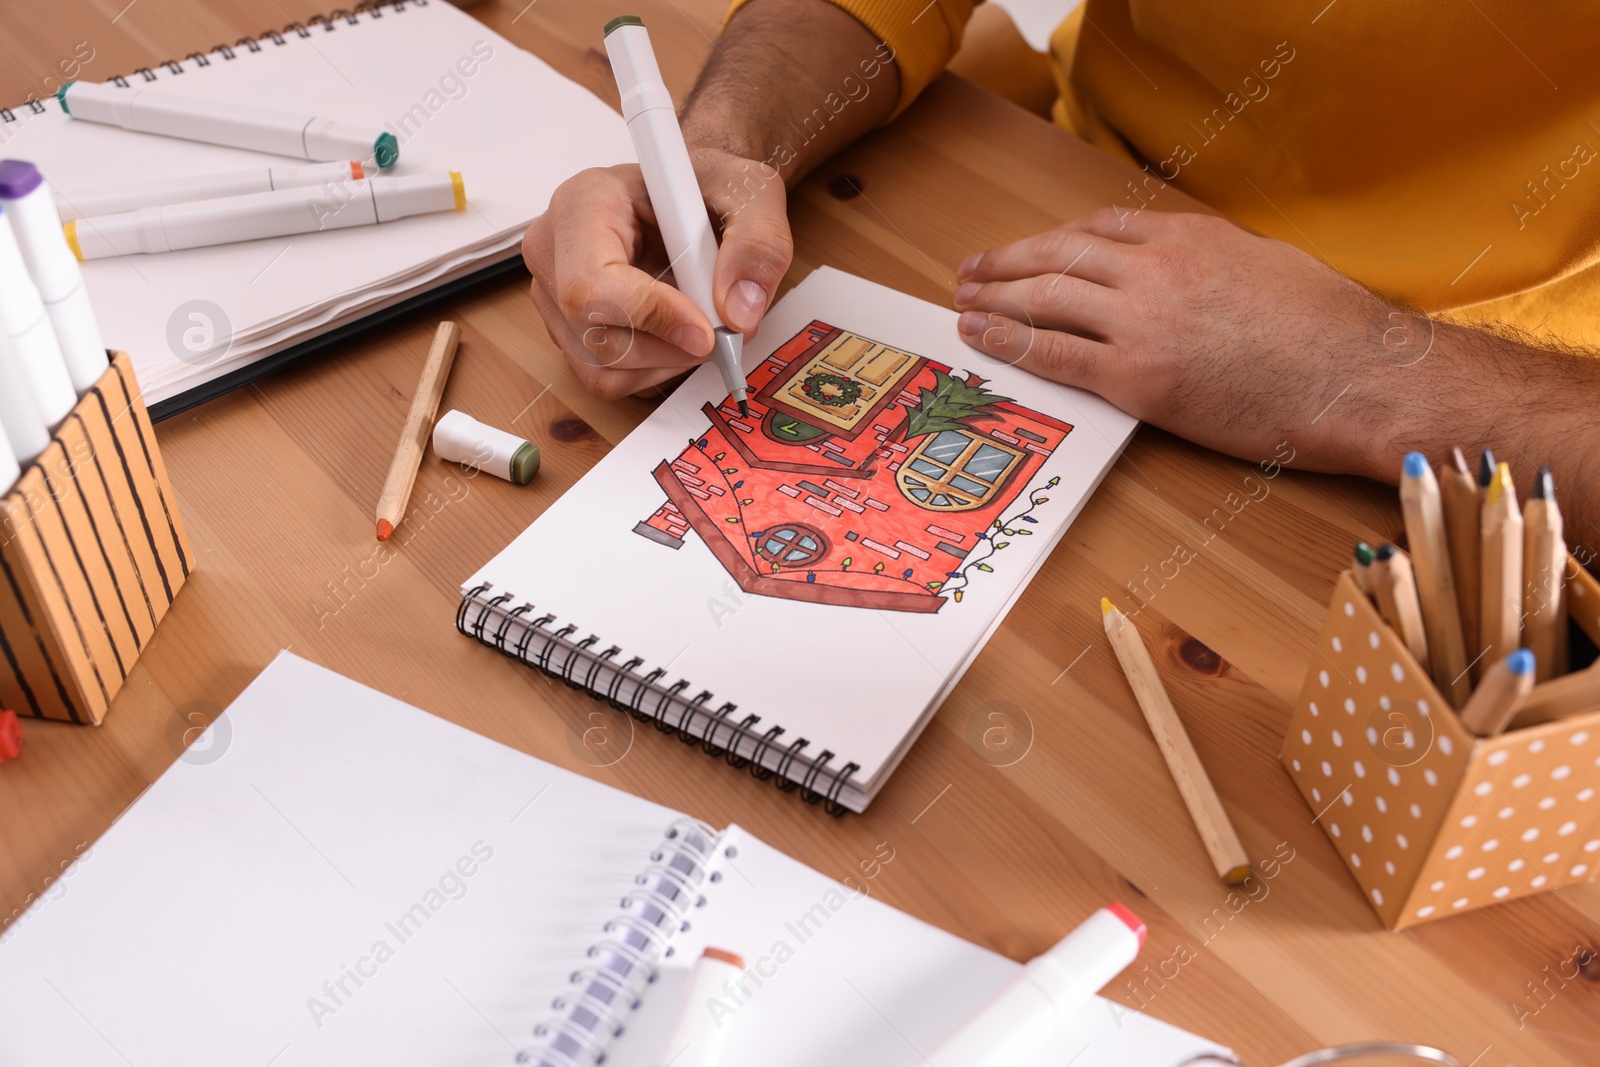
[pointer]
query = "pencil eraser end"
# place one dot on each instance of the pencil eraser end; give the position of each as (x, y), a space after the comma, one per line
(1415, 465)
(1129, 919)
(61, 97)
(1522, 661)
(1238, 876)
(386, 150)
(10, 736)
(385, 529)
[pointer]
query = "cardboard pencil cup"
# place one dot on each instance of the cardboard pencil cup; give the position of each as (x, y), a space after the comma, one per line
(1430, 820)
(92, 553)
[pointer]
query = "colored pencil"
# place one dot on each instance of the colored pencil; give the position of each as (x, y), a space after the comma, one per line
(1436, 585)
(1544, 559)
(1361, 569)
(1571, 694)
(1462, 500)
(1506, 684)
(419, 423)
(1500, 591)
(1395, 589)
(1205, 807)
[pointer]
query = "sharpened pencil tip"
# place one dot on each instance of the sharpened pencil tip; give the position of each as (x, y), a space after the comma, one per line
(1364, 553)
(385, 529)
(1385, 553)
(1521, 661)
(1458, 460)
(1544, 486)
(1500, 483)
(1106, 606)
(1238, 876)
(1416, 465)
(1485, 468)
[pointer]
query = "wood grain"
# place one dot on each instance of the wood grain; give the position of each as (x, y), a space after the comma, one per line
(277, 484)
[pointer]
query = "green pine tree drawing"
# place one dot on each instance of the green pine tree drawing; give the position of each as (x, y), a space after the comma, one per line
(952, 404)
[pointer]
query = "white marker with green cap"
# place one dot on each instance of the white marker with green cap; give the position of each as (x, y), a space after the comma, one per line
(230, 219)
(675, 196)
(234, 125)
(28, 203)
(29, 338)
(115, 199)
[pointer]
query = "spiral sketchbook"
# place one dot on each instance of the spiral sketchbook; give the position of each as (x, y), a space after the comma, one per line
(328, 876)
(798, 590)
(456, 95)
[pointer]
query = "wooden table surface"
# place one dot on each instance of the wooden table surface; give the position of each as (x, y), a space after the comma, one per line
(278, 483)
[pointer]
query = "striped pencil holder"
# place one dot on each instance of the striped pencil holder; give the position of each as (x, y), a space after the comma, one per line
(92, 553)
(1430, 820)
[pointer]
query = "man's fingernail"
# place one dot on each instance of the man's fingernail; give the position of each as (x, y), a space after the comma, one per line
(966, 291)
(970, 322)
(969, 264)
(746, 302)
(689, 339)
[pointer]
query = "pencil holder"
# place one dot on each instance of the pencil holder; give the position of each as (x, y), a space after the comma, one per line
(93, 551)
(1430, 820)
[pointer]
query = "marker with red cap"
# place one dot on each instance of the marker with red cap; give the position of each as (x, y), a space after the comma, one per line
(1046, 992)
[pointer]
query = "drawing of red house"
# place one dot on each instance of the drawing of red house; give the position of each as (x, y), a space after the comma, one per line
(864, 476)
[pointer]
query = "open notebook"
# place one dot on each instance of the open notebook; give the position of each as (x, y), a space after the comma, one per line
(456, 95)
(332, 877)
(801, 589)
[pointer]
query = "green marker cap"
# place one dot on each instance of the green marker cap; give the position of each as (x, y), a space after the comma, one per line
(386, 150)
(620, 21)
(525, 463)
(61, 96)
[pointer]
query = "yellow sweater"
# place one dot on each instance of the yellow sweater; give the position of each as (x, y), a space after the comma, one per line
(1445, 154)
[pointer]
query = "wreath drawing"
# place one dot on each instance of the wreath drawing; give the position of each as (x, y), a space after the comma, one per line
(831, 390)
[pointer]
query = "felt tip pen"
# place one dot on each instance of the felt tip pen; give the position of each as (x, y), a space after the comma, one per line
(115, 199)
(1047, 992)
(230, 219)
(25, 430)
(233, 125)
(28, 202)
(675, 195)
(30, 339)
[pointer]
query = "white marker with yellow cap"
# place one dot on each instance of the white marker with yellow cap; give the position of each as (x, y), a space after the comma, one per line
(283, 213)
(115, 199)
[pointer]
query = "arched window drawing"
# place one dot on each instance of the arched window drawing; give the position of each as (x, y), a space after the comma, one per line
(791, 545)
(955, 470)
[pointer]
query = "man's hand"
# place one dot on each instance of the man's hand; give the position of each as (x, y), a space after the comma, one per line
(602, 283)
(1190, 323)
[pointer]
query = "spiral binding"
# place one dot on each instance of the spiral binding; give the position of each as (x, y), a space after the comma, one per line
(673, 712)
(593, 1010)
(328, 23)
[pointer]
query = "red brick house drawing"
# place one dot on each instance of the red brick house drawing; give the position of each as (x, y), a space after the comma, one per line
(865, 476)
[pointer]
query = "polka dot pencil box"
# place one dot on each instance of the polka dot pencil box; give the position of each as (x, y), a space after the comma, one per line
(1430, 820)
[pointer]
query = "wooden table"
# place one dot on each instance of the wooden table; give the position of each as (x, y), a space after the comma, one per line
(278, 483)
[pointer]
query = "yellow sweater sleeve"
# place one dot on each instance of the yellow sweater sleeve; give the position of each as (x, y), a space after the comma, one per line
(921, 35)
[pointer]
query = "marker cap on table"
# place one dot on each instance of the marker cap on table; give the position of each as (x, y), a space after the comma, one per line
(281, 213)
(30, 205)
(257, 129)
(30, 338)
(1046, 992)
(116, 199)
(460, 438)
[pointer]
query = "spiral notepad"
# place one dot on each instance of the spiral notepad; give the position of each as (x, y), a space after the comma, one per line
(456, 95)
(330, 877)
(796, 591)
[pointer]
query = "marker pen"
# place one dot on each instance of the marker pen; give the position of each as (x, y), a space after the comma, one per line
(460, 438)
(675, 196)
(10, 469)
(230, 219)
(29, 338)
(25, 430)
(26, 200)
(698, 1038)
(1046, 992)
(115, 199)
(234, 125)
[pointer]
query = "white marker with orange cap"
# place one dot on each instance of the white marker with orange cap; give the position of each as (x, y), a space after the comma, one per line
(282, 213)
(1048, 991)
(699, 1037)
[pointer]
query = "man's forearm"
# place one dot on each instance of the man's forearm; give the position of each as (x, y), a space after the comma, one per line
(790, 83)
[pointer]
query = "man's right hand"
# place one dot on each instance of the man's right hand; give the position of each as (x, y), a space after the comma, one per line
(603, 285)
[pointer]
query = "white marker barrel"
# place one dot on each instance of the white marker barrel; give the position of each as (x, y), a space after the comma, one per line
(116, 199)
(282, 213)
(234, 125)
(1047, 992)
(699, 1037)
(460, 438)
(10, 469)
(31, 208)
(25, 429)
(29, 336)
